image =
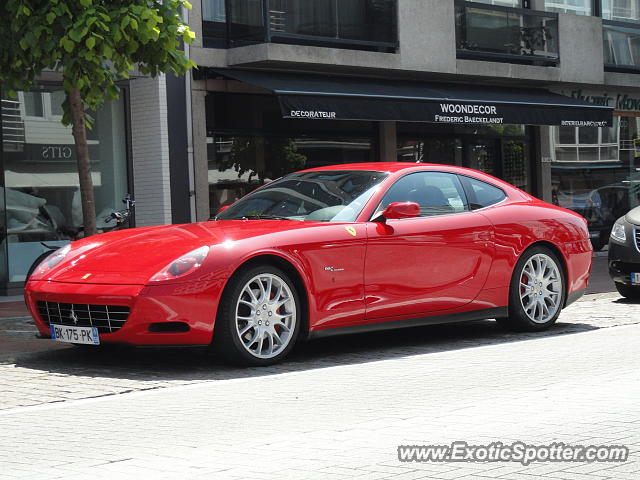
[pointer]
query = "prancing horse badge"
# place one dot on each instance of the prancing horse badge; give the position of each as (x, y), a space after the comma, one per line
(352, 231)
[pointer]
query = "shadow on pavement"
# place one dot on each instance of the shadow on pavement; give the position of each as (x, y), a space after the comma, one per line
(157, 364)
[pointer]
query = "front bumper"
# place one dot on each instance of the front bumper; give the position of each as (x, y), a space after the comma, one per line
(623, 261)
(194, 304)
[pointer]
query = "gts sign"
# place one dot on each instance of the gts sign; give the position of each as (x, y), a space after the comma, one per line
(56, 152)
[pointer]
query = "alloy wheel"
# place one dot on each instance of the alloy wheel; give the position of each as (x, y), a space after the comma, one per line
(265, 315)
(540, 288)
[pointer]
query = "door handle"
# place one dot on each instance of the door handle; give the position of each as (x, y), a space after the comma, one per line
(484, 236)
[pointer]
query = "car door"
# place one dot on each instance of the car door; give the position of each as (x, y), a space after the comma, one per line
(435, 262)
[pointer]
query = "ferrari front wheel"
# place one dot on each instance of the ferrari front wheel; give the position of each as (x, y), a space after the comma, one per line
(537, 292)
(259, 317)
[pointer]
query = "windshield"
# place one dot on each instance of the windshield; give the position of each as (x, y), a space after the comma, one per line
(327, 196)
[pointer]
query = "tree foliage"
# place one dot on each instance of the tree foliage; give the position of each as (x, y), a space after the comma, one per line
(95, 43)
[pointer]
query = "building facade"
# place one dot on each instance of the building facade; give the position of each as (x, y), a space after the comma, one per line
(288, 84)
(587, 50)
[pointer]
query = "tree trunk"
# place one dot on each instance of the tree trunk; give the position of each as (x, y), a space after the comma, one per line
(79, 130)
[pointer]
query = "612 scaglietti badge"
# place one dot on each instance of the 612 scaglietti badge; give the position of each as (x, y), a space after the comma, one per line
(331, 250)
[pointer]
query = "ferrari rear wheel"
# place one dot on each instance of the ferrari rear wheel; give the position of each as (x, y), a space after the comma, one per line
(259, 317)
(537, 292)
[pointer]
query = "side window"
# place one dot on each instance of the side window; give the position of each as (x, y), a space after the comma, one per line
(437, 193)
(482, 194)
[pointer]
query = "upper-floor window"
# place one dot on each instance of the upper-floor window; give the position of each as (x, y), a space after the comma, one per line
(214, 11)
(577, 7)
(503, 31)
(352, 24)
(621, 10)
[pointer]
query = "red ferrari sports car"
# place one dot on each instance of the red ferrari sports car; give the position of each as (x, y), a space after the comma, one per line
(324, 251)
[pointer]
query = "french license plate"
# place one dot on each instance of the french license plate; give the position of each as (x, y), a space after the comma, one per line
(635, 278)
(84, 335)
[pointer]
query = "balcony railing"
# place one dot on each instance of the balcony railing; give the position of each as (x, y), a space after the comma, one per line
(621, 46)
(353, 24)
(505, 34)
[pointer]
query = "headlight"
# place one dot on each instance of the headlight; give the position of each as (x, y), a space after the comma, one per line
(184, 265)
(51, 261)
(618, 233)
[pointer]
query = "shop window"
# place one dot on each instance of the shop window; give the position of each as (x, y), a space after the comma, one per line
(32, 104)
(56, 98)
(585, 144)
(240, 163)
(600, 180)
(41, 188)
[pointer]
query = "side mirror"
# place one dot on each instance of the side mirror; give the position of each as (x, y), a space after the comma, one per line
(399, 210)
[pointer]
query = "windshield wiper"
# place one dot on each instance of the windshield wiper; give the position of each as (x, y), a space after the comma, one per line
(262, 217)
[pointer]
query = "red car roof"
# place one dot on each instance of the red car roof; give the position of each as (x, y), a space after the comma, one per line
(391, 167)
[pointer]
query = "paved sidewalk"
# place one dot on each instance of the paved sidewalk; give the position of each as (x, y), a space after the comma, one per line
(346, 421)
(338, 409)
(35, 371)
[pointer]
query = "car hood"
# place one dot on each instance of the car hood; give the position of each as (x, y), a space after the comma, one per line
(133, 256)
(633, 216)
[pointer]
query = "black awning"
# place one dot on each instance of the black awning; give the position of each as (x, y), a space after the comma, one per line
(346, 98)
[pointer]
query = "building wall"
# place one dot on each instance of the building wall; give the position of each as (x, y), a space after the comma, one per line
(426, 30)
(150, 148)
(427, 52)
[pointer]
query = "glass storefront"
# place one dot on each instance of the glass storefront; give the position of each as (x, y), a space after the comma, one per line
(41, 191)
(502, 151)
(249, 144)
(595, 172)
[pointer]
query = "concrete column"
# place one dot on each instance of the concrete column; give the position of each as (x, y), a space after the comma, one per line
(150, 145)
(388, 142)
(427, 35)
(200, 159)
(581, 52)
(543, 164)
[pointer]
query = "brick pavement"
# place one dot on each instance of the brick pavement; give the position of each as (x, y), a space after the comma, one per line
(337, 410)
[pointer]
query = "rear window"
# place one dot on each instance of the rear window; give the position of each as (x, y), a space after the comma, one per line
(481, 194)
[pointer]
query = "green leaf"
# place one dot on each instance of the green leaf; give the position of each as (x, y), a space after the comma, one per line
(125, 22)
(67, 44)
(187, 5)
(76, 35)
(90, 43)
(85, 3)
(51, 17)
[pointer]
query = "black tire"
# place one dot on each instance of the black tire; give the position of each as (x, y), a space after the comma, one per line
(227, 342)
(37, 262)
(518, 319)
(628, 291)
